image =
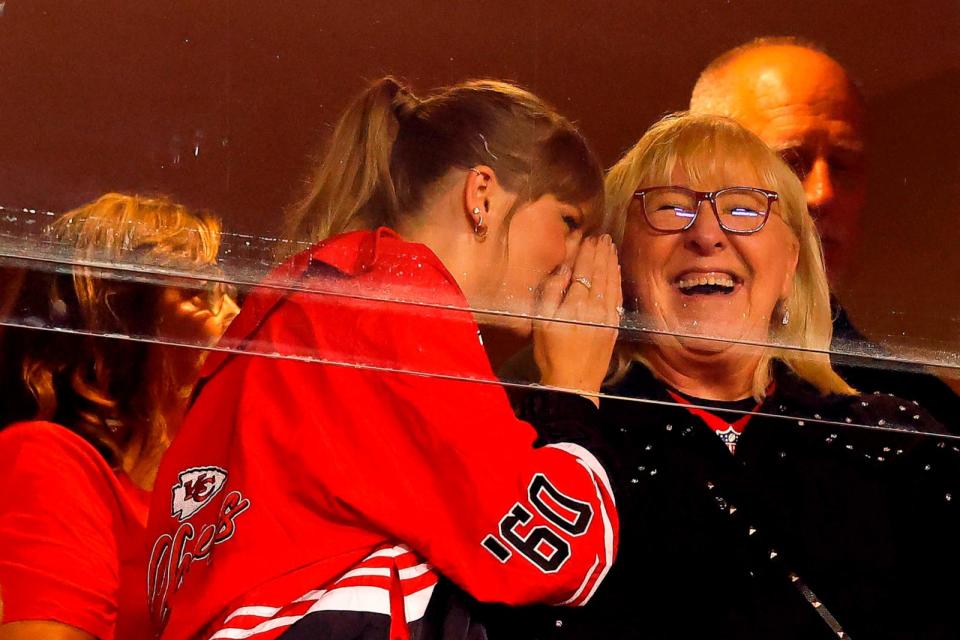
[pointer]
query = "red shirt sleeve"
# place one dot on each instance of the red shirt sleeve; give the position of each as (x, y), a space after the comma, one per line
(58, 554)
(442, 464)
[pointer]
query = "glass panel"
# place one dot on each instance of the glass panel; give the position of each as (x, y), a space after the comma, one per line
(828, 313)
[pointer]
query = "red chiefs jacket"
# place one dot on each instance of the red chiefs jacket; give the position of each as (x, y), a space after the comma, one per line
(365, 447)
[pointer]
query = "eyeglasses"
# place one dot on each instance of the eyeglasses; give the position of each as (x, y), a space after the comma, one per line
(742, 210)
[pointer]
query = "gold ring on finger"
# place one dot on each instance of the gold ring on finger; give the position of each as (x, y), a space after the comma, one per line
(585, 281)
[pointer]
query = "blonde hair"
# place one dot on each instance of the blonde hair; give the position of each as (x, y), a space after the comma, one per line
(702, 145)
(389, 148)
(96, 386)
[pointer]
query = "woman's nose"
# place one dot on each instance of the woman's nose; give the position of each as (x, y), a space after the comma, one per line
(705, 237)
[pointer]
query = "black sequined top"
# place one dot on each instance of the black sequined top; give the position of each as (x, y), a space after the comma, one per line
(835, 515)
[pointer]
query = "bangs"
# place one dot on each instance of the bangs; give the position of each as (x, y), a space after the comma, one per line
(567, 168)
(707, 151)
(119, 228)
(183, 239)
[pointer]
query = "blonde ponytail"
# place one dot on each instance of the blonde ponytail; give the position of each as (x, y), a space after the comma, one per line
(389, 148)
(352, 187)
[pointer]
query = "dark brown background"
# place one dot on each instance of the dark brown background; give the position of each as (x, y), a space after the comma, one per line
(220, 102)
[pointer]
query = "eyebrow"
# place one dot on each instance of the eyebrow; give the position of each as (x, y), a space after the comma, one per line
(849, 145)
(788, 144)
(845, 144)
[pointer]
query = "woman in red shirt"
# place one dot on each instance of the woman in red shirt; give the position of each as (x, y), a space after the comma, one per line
(317, 492)
(92, 415)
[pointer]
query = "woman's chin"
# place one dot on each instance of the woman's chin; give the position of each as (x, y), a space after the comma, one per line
(706, 338)
(704, 345)
(723, 342)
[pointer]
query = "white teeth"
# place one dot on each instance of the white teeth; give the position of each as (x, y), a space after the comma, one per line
(720, 279)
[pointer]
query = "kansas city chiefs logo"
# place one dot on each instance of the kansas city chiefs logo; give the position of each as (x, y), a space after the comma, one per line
(196, 489)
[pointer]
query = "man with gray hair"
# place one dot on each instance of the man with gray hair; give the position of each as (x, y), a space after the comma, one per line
(805, 106)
